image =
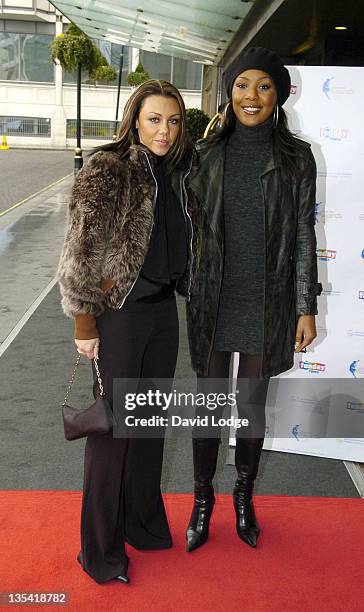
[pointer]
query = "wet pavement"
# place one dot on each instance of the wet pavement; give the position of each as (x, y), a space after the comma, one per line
(25, 172)
(31, 238)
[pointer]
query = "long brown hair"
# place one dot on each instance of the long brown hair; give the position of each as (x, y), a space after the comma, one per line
(128, 135)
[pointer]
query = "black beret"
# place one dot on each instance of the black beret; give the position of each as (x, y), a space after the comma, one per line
(263, 59)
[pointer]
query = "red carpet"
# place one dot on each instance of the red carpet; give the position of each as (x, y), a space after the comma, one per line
(309, 558)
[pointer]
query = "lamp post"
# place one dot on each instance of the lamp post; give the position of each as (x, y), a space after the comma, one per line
(75, 51)
(78, 151)
(118, 95)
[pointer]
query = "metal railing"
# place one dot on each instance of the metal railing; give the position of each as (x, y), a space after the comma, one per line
(91, 129)
(39, 127)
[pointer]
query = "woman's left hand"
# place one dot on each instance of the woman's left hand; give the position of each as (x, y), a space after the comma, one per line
(305, 332)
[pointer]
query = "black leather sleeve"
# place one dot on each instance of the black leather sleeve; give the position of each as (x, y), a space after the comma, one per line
(307, 287)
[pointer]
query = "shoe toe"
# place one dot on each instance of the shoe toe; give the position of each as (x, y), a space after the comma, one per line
(195, 539)
(250, 537)
(121, 578)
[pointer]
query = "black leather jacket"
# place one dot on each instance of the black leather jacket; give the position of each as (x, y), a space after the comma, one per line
(291, 286)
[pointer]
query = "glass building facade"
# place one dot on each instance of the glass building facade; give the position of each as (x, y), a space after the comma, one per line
(182, 73)
(26, 57)
(112, 53)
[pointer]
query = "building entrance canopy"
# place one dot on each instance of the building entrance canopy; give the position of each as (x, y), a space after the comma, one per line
(197, 30)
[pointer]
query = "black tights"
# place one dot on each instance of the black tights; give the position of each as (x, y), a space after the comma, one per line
(251, 396)
(249, 365)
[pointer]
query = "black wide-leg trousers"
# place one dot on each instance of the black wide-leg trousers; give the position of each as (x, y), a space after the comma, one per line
(122, 500)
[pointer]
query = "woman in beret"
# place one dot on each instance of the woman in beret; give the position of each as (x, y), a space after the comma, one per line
(256, 288)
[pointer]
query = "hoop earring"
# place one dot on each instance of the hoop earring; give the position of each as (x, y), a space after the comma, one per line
(226, 107)
(275, 116)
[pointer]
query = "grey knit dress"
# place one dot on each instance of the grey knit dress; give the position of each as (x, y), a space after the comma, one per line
(240, 315)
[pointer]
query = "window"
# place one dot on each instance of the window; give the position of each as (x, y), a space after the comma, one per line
(186, 74)
(114, 60)
(111, 52)
(26, 57)
(182, 73)
(158, 66)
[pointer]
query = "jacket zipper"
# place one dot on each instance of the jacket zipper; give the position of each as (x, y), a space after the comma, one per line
(213, 335)
(265, 272)
(191, 226)
(150, 233)
(217, 312)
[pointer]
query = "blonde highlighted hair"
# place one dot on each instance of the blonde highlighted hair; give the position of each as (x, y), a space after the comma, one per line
(127, 133)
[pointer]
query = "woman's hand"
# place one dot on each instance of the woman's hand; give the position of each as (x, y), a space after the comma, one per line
(305, 332)
(89, 348)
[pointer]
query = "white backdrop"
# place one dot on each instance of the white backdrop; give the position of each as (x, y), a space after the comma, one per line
(325, 108)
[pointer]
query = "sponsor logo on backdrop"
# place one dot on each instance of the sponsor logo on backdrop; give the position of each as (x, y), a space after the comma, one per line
(322, 330)
(326, 254)
(336, 175)
(326, 87)
(324, 214)
(334, 133)
(362, 254)
(331, 292)
(356, 406)
(316, 367)
(332, 91)
(361, 216)
(331, 215)
(295, 430)
(301, 399)
(298, 433)
(355, 370)
(316, 210)
(317, 406)
(361, 295)
(355, 332)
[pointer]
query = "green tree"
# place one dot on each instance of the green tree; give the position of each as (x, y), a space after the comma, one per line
(197, 122)
(74, 49)
(103, 71)
(137, 77)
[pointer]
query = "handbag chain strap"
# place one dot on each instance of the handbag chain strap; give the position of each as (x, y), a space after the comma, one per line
(73, 378)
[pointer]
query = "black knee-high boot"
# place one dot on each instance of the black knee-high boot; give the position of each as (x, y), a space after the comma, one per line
(247, 456)
(205, 452)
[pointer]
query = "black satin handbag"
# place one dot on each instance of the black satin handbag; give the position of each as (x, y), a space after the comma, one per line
(97, 419)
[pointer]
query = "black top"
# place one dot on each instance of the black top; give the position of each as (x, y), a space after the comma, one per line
(240, 316)
(166, 258)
